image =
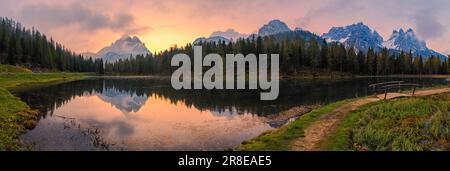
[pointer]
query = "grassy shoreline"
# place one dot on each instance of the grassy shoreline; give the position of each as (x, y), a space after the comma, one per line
(16, 116)
(281, 139)
(411, 124)
(405, 124)
(356, 130)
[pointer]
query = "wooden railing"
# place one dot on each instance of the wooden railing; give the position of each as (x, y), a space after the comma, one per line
(374, 86)
(386, 86)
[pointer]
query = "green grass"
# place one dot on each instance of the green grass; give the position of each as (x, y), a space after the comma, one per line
(16, 116)
(281, 139)
(414, 124)
(13, 69)
(13, 114)
(338, 141)
(14, 80)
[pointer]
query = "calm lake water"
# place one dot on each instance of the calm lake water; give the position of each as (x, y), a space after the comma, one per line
(147, 114)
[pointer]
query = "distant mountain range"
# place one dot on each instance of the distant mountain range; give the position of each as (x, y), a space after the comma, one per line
(273, 27)
(406, 41)
(224, 36)
(358, 36)
(123, 48)
(230, 34)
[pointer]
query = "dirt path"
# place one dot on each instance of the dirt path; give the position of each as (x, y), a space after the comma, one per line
(329, 122)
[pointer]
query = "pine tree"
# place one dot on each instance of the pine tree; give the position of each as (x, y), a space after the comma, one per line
(353, 65)
(324, 57)
(361, 63)
(371, 62)
(314, 54)
(30, 48)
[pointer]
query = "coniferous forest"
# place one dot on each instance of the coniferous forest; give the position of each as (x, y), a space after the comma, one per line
(296, 54)
(32, 49)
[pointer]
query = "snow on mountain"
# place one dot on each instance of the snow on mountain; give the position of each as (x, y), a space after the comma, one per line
(215, 39)
(229, 34)
(361, 37)
(123, 48)
(408, 41)
(273, 27)
(221, 36)
(401, 40)
(358, 36)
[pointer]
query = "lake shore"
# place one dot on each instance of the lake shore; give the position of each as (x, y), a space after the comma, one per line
(16, 116)
(127, 77)
(334, 126)
(405, 76)
(405, 124)
(323, 76)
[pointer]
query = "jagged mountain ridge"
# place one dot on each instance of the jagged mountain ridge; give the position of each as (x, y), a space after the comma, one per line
(273, 27)
(361, 37)
(123, 48)
(358, 36)
(408, 41)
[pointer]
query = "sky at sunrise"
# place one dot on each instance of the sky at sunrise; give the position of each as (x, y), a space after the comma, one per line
(89, 25)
